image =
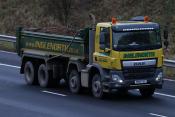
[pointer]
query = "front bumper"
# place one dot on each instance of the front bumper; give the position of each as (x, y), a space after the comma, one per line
(109, 84)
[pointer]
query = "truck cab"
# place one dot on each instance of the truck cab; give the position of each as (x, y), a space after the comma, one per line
(130, 54)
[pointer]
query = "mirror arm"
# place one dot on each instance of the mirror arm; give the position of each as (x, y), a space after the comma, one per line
(107, 50)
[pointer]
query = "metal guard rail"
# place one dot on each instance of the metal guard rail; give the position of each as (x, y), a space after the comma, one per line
(7, 38)
(169, 63)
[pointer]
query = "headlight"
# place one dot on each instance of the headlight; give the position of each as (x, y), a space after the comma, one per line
(117, 78)
(159, 77)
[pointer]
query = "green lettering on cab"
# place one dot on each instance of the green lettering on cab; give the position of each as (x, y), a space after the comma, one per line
(139, 55)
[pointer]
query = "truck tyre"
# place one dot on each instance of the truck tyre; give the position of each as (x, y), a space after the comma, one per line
(45, 77)
(74, 82)
(97, 88)
(146, 93)
(30, 73)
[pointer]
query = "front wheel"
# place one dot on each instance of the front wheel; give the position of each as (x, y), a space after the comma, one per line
(146, 93)
(97, 88)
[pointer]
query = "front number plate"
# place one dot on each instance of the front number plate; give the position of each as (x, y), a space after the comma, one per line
(140, 81)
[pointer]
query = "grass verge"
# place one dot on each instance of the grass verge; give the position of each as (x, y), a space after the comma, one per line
(169, 72)
(7, 46)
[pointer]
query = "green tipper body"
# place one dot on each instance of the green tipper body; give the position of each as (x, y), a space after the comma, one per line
(51, 43)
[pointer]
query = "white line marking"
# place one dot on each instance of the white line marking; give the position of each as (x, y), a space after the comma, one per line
(166, 95)
(7, 52)
(49, 92)
(157, 115)
(1, 64)
(169, 80)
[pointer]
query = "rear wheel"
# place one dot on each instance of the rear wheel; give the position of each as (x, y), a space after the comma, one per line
(146, 93)
(30, 73)
(45, 78)
(74, 82)
(97, 88)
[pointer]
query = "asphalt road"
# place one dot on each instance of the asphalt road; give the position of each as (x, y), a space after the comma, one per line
(18, 99)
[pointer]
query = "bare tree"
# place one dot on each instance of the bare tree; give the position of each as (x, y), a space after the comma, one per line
(60, 9)
(66, 7)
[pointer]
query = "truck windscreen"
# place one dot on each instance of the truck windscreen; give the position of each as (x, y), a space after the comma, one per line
(136, 40)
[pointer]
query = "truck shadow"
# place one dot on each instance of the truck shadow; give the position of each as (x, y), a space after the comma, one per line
(117, 97)
(130, 96)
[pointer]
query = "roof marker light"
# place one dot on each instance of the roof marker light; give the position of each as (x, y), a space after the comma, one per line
(114, 20)
(146, 19)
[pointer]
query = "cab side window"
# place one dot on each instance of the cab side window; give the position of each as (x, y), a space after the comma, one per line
(104, 38)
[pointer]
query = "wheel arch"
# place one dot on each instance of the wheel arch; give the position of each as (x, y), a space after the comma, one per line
(94, 69)
(74, 64)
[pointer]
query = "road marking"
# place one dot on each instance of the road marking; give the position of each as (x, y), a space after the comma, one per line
(157, 115)
(169, 80)
(59, 94)
(7, 52)
(13, 66)
(166, 95)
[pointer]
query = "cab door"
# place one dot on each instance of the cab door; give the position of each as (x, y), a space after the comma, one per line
(103, 49)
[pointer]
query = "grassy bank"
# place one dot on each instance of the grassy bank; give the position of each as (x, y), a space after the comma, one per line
(7, 46)
(169, 72)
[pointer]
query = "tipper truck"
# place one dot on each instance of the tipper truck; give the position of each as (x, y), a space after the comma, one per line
(112, 56)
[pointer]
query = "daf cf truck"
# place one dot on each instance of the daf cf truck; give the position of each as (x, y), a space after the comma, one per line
(112, 56)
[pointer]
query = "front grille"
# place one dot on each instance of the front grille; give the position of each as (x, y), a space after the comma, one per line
(138, 73)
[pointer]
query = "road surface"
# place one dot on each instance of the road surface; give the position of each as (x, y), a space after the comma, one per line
(19, 100)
